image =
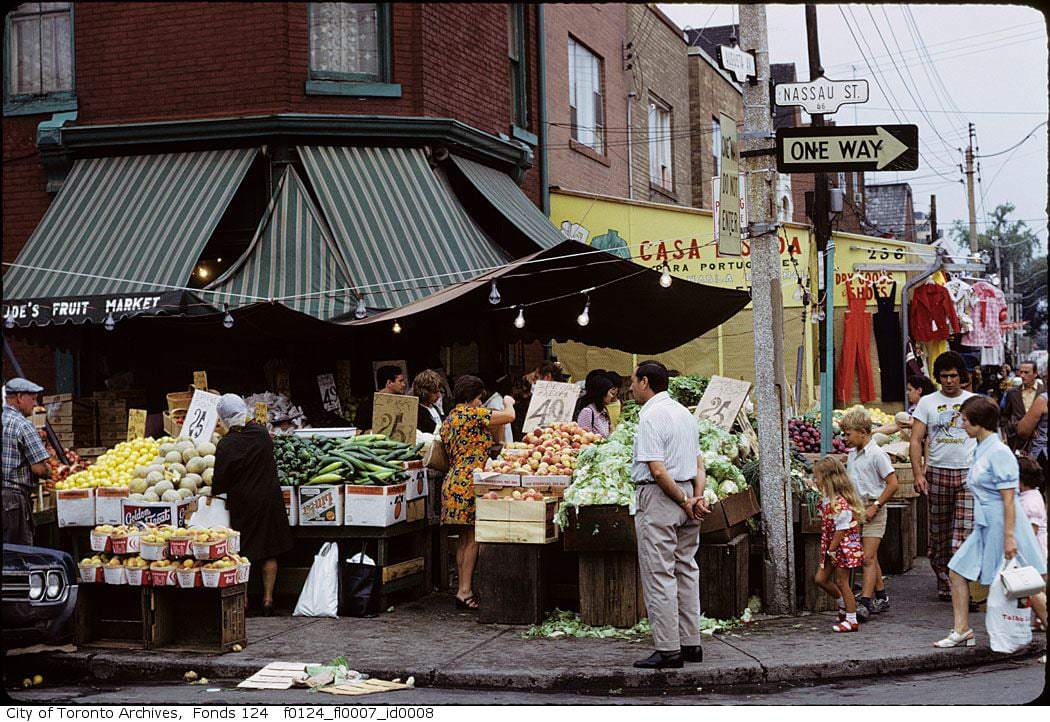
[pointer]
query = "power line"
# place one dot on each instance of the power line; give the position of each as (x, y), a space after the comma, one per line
(992, 155)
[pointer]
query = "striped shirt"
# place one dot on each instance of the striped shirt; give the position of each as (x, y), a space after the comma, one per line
(22, 448)
(667, 432)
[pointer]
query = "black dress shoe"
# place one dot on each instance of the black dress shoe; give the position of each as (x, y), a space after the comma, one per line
(692, 654)
(661, 660)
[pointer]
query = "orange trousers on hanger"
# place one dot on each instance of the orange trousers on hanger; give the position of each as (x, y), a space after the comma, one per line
(856, 350)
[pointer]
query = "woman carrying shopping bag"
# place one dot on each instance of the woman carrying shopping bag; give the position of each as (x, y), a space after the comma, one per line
(1001, 529)
(246, 471)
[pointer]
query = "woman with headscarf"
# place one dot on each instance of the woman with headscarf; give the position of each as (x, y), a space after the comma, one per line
(246, 471)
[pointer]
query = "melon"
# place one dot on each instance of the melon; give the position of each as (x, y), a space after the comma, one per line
(157, 467)
(177, 469)
(194, 478)
(204, 491)
(154, 477)
(187, 484)
(140, 472)
(209, 461)
(136, 497)
(170, 495)
(185, 493)
(150, 496)
(173, 457)
(188, 454)
(205, 448)
(166, 448)
(207, 475)
(195, 465)
(162, 486)
(138, 486)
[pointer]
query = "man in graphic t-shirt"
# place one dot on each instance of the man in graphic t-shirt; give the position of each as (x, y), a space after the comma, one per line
(942, 473)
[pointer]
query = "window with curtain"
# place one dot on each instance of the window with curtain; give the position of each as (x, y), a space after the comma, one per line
(40, 50)
(519, 102)
(347, 41)
(660, 171)
(586, 107)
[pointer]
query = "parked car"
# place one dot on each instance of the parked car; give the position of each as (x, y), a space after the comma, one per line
(39, 593)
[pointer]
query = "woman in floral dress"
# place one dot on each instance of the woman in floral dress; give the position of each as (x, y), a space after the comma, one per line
(466, 435)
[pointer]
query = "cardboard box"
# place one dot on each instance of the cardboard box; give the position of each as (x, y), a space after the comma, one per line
(375, 505)
(321, 505)
(554, 484)
(75, 507)
(514, 521)
(416, 484)
(107, 504)
(291, 504)
(417, 509)
(155, 512)
(495, 480)
(171, 428)
(731, 511)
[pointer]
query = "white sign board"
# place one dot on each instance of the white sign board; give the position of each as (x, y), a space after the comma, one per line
(552, 402)
(716, 187)
(329, 394)
(728, 217)
(202, 416)
(722, 400)
(821, 95)
(735, 61)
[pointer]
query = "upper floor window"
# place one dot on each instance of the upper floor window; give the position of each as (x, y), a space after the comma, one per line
(39, 58)
(348, 41)
(716, 145)
(586, 107)
(660, 158)
(518, 67)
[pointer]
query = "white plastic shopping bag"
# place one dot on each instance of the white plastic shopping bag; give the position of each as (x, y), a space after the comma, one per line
(211, 512)
(1009, 625)
(320, 595)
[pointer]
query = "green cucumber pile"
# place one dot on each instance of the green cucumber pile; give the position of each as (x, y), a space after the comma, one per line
(370, 459)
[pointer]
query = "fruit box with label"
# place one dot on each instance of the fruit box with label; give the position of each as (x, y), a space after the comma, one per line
(506, 519)
(291, 504)
(416, 484)
(552, 485)
(494, 479)
(155, 512)
(107, 504)
(321, 505)
(375, 505)
(75, 507)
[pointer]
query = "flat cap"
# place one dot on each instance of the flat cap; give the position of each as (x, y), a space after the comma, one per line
(20, 385)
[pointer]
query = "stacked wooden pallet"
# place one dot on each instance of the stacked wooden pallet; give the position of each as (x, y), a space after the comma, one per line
(112, 409)
(73, 420)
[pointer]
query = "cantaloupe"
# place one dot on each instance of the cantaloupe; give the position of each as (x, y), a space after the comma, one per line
(207, 475)
(162, 486)
(173, 457)
(190, 453)
(136, 497)
(138, 486)
(170, 495)
(209, 461)
(185, 493)
(150, 496)
(195, 479)
(195, 465)
(187, 484)
(204, 491)
(178, 469)
(154, 477)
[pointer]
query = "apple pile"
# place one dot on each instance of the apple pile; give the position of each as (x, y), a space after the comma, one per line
(545, 451)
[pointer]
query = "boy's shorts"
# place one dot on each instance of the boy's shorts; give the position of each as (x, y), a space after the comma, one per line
(877, 526)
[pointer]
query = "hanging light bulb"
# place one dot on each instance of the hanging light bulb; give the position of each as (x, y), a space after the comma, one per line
(9, 322)
(397, 327)
(519, 322)
(110, 323)
(227, 320)
(494, 297)
(360, 312)
(665, 279)
(585, 318)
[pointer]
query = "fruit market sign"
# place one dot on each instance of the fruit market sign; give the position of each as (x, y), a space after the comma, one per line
(201, 417)
(722, 400)
(552, 402)
(136, 424)
(329, 394)
(395, 415)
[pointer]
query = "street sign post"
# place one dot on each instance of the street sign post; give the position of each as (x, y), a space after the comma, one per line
(729, 190)
(821, 95)
(734, 60)
(838, 148)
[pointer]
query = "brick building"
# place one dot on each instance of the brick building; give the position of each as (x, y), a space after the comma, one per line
(891, 211)
(105, 80)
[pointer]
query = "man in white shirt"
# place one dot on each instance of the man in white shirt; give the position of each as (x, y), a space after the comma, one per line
(669, 472)
(941, 471)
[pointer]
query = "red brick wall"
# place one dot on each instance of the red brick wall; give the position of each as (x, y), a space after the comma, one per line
(710, 94)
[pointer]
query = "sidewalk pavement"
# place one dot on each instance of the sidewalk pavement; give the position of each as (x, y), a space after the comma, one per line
(442, 647)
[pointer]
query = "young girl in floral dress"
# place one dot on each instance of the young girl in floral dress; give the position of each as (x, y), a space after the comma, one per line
(840, 546)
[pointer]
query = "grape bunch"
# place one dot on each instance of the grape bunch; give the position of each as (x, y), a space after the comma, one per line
(805, 437)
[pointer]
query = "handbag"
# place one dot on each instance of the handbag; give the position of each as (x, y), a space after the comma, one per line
(358, 585)
(1019, 581)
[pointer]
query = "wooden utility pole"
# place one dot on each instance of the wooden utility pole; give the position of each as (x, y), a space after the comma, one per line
(768, 304)
(969, 193)
(933, 217)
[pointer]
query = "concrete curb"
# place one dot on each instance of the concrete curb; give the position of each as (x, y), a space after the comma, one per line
(125, 666)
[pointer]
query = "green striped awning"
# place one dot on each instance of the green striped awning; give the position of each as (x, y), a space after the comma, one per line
(509, 201)
(292, 259)
(129, 224)
(397, 222)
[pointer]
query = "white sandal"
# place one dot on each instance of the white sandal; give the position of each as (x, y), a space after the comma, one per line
(954, 639)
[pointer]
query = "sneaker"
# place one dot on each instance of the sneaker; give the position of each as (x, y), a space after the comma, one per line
(864, 609)
(880, 605)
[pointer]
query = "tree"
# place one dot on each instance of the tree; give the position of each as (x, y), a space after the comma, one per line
(1017, 248)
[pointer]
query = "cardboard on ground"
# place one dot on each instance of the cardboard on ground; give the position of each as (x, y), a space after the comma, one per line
(722, 400)
(395, 415)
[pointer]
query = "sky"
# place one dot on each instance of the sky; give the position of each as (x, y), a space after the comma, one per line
(992, 60)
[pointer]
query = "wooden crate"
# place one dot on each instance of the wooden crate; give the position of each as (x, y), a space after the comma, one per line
(110, 615)
(511, 583)
(727, 518)
(600, 528)
(514, 521)
(610, 588)
(897, 549)
(813, 598)
(724, 570)
(197, 620)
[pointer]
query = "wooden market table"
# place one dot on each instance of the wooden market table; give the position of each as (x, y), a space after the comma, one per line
(402, 552)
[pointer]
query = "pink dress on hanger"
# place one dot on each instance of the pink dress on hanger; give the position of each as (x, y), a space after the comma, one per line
(987, 304)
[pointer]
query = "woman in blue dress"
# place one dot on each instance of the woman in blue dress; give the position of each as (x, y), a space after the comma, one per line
(1001, 529)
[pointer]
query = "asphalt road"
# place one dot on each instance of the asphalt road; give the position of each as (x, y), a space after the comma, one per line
(1006, 683)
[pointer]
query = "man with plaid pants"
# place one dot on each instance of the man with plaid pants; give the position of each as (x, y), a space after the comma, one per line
(941, 471)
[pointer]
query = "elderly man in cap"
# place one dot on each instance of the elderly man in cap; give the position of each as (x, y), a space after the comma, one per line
(23, 460)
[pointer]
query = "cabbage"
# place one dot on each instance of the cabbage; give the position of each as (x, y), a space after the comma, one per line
(728, 487)
(710, 495)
